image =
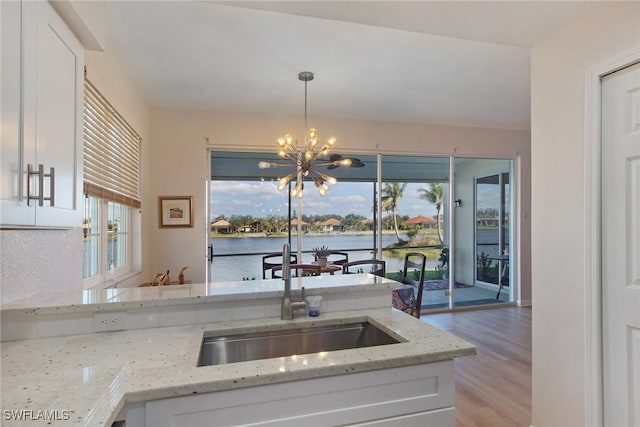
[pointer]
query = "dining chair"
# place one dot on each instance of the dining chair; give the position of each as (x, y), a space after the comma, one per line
(373, 266)
(274, 259)
(297, 270)
(414, 263)
(342, 257)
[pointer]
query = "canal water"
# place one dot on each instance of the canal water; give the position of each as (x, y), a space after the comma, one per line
(239, 266)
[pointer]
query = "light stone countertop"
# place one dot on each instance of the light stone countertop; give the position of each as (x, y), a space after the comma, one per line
(117, 299)
(94, 376)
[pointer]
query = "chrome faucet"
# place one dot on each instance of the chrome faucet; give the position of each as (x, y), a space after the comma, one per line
(287, 308)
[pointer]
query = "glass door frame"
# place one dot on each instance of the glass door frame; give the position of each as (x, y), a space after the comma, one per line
(514, 224)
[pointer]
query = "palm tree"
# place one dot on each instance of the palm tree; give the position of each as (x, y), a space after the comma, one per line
(392, 192)
(434, 195)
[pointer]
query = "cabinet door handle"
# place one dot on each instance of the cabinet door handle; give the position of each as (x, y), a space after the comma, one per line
(40, 185)
(41, 176)
(52, 186)
(31, 172)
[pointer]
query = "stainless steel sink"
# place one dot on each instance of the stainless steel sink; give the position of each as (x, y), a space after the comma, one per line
(219, 350)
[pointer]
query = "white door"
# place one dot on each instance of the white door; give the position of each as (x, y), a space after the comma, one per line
(621, 246)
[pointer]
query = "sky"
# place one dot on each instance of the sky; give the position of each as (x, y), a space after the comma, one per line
(261, 199)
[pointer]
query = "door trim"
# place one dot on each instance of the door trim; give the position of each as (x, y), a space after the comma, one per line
(593, 222)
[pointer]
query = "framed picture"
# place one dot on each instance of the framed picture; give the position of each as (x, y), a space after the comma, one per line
(176, 211)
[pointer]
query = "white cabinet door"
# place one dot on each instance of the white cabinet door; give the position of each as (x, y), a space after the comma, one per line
(421, 395)
(52, 79)
(13, 182)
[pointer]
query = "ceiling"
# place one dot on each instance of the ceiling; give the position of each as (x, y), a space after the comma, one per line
(454, 62)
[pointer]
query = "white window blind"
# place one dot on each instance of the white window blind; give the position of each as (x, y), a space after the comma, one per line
(111, 152)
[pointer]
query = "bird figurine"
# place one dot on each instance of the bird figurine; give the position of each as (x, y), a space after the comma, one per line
(156, 279)
(181, 275)
(166, 279)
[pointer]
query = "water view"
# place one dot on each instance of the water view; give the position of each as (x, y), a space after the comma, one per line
(238, 258)
(229, 263)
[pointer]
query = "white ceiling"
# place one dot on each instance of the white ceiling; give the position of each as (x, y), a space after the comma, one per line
(463, 63)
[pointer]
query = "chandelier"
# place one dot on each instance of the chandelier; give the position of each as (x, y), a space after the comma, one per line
(306, 158)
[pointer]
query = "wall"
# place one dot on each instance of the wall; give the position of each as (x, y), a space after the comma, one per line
(39, 261)
(181, 163)
(558, 67)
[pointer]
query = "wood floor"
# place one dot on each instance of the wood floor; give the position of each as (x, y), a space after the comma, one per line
(493, 388)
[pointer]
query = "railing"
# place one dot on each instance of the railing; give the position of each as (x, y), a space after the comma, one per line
(229, 268)
(235, 254)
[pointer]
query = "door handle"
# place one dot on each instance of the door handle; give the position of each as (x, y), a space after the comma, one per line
(41, 176)
(52, 187)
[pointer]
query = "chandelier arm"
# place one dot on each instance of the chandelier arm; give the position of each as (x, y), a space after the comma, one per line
(313, 174)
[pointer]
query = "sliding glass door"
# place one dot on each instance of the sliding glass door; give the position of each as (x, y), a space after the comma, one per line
(458, 215)
(482, 233)
(492, 232)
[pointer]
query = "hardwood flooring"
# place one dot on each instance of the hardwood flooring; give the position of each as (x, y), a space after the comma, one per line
(493, 388)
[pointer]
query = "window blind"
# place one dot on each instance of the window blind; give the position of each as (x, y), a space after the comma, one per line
(111, 152)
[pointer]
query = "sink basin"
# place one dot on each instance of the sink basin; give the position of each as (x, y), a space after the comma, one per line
(219, 350)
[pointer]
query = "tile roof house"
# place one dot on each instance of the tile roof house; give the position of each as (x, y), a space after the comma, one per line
(332, 224)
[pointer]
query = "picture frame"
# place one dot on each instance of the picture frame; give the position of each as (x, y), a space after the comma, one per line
(176, 211)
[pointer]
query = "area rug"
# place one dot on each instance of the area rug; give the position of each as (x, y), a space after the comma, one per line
(436, 285)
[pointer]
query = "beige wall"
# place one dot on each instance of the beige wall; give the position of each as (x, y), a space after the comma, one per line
(180, 162)
(558, 199)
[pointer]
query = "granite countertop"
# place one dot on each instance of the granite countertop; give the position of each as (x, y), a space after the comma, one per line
(91, 377)
(115, 299)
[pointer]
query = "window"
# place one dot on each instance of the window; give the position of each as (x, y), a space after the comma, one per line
(107, 231)
(112, 191)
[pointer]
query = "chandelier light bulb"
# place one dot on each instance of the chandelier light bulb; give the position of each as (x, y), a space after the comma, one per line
(306, 159)
(296, 191)
(282, 182)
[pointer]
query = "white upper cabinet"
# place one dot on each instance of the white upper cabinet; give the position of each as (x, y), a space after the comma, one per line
(42, 114)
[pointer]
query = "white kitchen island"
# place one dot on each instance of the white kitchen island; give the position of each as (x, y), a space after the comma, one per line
(149, 376)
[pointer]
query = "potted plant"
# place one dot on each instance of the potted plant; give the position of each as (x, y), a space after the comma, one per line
(320, 254)
(483, 264)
